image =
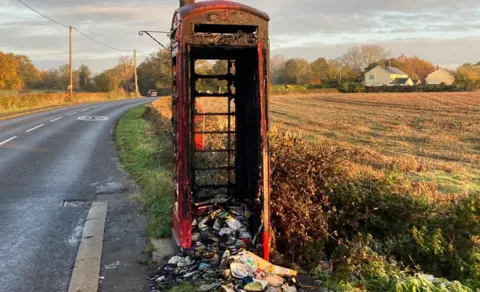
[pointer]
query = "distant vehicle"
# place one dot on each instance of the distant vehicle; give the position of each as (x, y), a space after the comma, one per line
(152, 92)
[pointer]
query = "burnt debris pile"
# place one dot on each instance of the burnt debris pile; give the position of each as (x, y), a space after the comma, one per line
(223, 257)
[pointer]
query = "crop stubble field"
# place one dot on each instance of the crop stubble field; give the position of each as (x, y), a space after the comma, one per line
(433, 137)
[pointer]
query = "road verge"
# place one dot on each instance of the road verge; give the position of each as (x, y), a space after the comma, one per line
(142, 156)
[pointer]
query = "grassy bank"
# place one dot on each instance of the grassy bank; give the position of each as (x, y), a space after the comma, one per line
(147, 159)
(19, 102)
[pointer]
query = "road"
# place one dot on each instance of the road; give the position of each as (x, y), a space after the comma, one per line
(47, 159)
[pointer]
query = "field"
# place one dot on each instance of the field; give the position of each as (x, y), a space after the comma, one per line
(434, 136)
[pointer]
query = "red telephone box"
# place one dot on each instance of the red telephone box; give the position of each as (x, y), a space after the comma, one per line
(237, 34)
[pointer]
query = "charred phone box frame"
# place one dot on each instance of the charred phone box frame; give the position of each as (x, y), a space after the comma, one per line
(237, 34)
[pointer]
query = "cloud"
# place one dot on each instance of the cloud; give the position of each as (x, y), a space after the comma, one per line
(439, 30)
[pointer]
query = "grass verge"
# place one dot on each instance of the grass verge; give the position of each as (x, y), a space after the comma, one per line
(10, 114)
(141, 156)
(21, 104)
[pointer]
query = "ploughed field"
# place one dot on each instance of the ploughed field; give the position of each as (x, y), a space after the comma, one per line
(433, 137)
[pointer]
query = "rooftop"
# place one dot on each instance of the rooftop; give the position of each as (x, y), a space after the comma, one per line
(205, 6)
(394, 70)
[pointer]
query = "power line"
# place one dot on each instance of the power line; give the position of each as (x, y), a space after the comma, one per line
(98, 42)
(67, 26)
(52, 20)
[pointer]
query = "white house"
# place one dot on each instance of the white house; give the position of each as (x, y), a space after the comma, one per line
(387, 76)
(440, 76)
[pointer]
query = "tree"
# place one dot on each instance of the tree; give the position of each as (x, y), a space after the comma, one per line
(10, 77)
(359, 58)
(50, 80)
(204, 67)
(84, 78)
(29, 74)
(155, 72)
(220, 67)
(339, 73)
(297, 71)
(319, 71)
(124, 72)
(417, 68)
(107, 81)
(373, 53)
(277, 67)
(468, 77)
(64, 76)
(353, 58)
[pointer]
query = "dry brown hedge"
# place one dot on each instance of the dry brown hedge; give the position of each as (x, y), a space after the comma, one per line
(28, 100)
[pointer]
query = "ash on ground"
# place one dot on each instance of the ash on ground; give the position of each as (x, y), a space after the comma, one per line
(224, 257)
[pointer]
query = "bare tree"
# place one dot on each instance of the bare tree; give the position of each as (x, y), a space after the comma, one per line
(360, 57)
(277, 62)
(353, 58)
(125, 71)
(277, 66)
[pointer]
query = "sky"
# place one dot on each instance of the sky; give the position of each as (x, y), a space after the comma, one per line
(447, 33)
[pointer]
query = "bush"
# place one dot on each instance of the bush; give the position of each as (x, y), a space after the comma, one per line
(283, 89)
(301, 176)
(421, 88)
(320, 212)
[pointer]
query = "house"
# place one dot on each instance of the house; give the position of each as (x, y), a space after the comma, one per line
(441, 76)
(387, 76)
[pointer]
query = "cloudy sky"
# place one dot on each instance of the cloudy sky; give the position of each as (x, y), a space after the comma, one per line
(445, 32)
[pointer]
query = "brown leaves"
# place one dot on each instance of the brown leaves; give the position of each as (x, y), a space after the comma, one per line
(301, 176)
(9, 72)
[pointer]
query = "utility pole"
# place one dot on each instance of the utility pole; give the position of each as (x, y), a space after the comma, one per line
(135, 70)
(70, 86)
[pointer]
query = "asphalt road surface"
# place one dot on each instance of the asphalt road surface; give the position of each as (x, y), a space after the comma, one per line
(47, 159)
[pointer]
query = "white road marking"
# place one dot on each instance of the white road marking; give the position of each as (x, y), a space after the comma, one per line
(32, 129)
(84, 110)
(71, 113)
(8, 140)
(92, 119)
(86, 270)
(56, 119)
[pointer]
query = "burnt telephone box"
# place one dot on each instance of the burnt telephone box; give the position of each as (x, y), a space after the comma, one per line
(237, 35)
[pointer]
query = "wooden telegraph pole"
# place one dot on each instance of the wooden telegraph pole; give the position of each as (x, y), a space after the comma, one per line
(70, 86)
(135, 68)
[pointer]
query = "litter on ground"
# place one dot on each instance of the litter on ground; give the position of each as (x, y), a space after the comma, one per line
(223, 257)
